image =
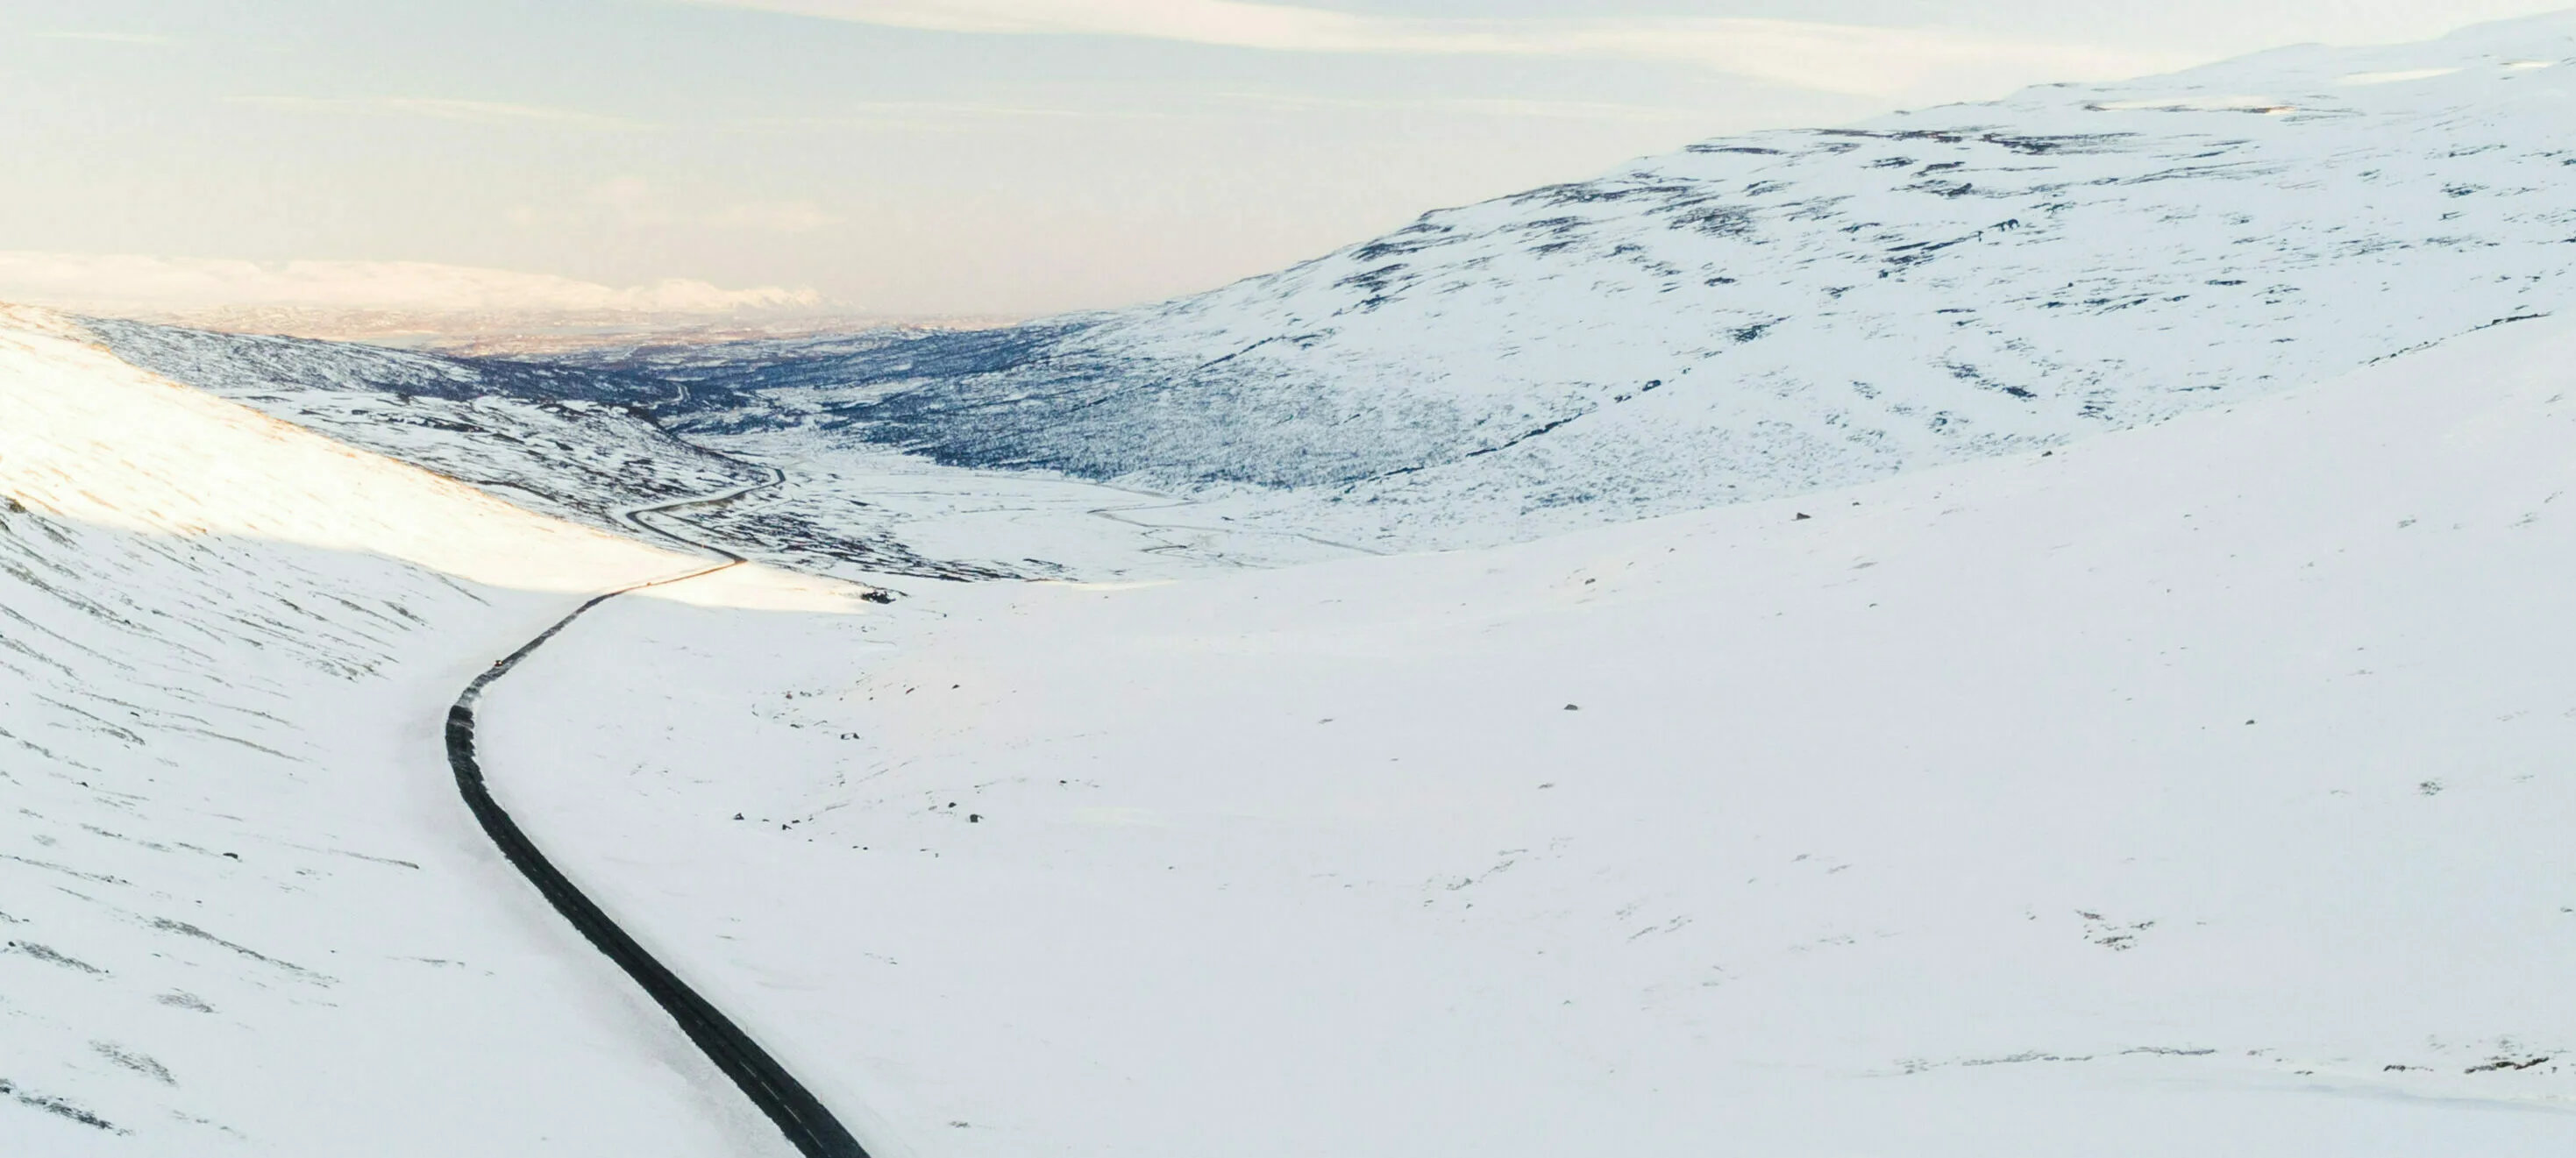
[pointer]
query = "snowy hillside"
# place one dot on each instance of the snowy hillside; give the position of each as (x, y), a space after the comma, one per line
(1760, 315)
(2198, 789)
(586, 445)
(243, 912)
(577, 444)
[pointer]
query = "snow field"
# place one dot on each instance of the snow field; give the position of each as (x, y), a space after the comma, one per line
(2195, 789)
(243, 910)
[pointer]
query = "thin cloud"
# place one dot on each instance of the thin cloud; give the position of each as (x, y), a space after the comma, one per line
(946, 117)
(910, 117)
(491, 112)
(1473, 106)
(445, 109)
(1571, 110)
(877, 114)
(142, 38)
(634, 203)
(1896, 63)
(774, 217)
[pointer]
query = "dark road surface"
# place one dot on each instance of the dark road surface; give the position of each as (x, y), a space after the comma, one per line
(798, 1113)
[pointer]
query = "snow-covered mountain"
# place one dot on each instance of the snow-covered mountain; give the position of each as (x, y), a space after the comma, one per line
(1752, 317)
(1760, 315)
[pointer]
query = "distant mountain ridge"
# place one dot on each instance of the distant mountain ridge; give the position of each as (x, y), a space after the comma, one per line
(1760, 315)
(1747, 318)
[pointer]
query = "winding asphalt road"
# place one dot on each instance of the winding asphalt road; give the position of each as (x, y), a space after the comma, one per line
(798, 1113)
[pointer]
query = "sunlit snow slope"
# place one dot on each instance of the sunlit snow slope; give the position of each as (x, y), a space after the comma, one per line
(1760, 315)
(2199, 789)
(243, 910)
(576, 443)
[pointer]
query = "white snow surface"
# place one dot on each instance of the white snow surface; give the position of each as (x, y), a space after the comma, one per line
(243, 909)
(2193, 789)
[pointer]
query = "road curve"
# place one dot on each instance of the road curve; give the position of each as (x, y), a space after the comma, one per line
(798, 1113)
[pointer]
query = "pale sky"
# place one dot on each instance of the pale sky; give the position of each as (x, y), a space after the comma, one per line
(929, 156)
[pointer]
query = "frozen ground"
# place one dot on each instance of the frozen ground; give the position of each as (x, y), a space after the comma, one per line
(2196, 789)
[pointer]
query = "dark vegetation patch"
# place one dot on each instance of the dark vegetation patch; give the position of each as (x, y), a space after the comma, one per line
(58, 1107)
(52, 956)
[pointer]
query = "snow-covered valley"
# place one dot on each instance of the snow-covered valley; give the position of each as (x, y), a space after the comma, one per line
(2093, 685)
(2196, 788)
(2192, 790)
